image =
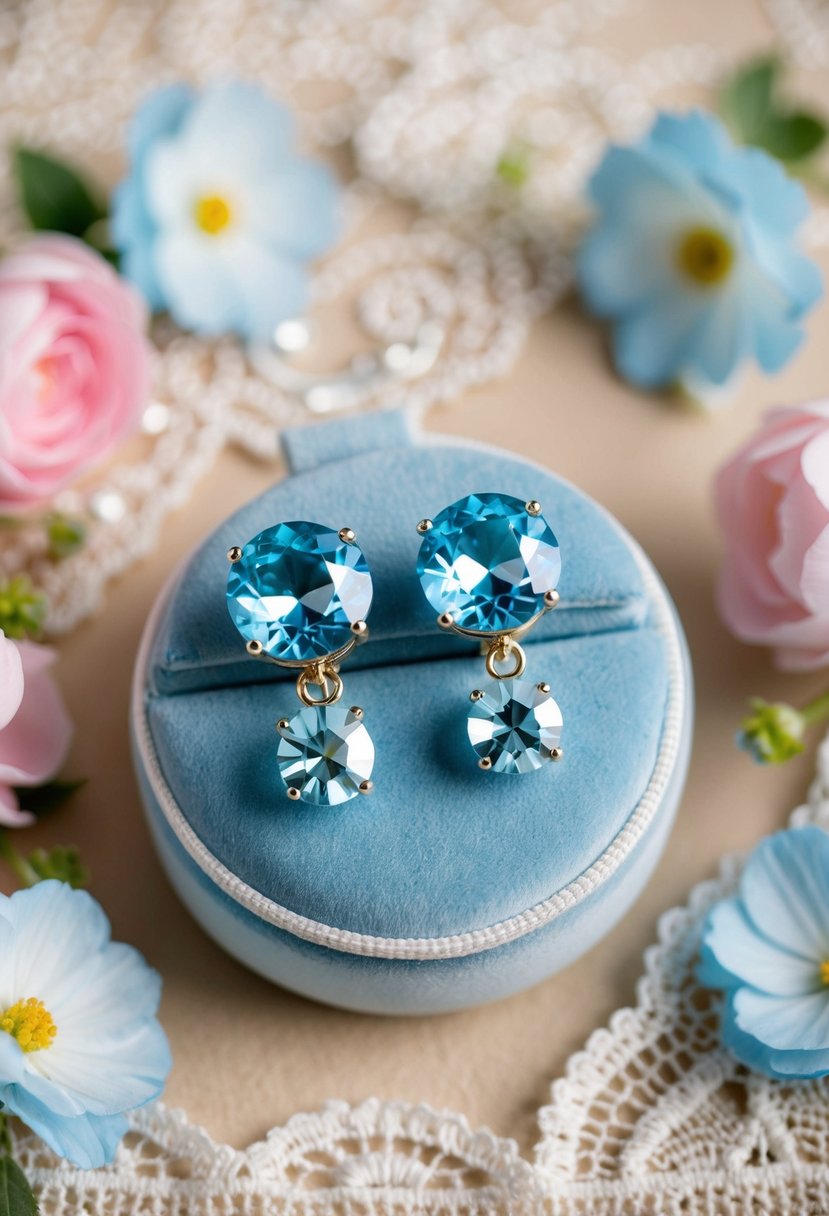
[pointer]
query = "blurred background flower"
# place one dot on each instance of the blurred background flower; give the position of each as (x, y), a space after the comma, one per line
(768, 947)
(35, 730)
(693, 258)
(219, 217)
(773, 507)
(79, 1040)
(74, 366)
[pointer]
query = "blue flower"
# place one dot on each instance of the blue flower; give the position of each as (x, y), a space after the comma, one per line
(768, 947)
(219, 217)
(80, 1044)
(693, 256)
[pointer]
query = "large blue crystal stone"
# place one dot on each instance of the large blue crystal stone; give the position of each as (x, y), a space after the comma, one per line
(325, 754)
(514, 726)
(298, 588)
(488, 561)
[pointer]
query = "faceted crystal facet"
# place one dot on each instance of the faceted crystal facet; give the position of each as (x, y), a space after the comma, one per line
(488, 562)
(297, 589)
(514, 725)
(325, 752)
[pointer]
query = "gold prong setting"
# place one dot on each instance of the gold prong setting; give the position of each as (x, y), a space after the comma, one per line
(514, 724)
(313, 641)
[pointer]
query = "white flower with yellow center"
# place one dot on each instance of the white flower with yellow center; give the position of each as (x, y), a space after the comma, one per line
(219, 217)
(80, 1042)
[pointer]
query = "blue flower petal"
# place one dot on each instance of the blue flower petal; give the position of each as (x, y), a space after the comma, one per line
(296, 210)
(798, 279)
(272, 288)
(237, 128)
(133, 233)
(159, 114)
(722, 339)
(710, 972)
(785, 888)
(749, 957)
(89, 1141)
(620, 268)
(198, 286)
(781, 1065)
(652, 345)
(634, 187)
(772, 197)
(785, 1022)
(696, 138)
(745, 1047)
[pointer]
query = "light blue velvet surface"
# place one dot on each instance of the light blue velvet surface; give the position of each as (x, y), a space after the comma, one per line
(439, 847)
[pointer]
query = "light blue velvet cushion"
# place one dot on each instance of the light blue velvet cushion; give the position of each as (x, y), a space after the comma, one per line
(440, 847)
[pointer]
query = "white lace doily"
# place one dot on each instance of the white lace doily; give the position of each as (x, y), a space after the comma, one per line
(425, 96)
(652, 1118)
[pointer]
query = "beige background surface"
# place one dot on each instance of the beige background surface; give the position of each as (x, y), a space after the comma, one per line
(248, 1055)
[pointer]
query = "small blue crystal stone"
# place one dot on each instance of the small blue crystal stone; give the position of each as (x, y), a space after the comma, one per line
(488, 562)
(515, 725)
(298, 588)
(325, 753)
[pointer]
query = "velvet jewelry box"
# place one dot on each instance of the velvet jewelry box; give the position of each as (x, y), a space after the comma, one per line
(447, 886)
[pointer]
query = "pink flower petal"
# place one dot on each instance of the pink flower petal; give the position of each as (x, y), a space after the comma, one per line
(11, 815)
(34, 744)
(11, 680)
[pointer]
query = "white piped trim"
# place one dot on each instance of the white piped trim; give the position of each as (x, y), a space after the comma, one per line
(456, 945)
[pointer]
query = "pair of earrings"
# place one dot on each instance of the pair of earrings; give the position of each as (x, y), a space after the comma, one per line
(299, 594)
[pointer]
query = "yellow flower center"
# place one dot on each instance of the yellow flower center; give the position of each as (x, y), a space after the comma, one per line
(824, 971)
(705, 256)
(31, 1023)
(213, 214)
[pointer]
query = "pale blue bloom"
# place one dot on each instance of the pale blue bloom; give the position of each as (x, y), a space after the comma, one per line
(693, 256)
(219, 218)
(79, 1040)
(768, 947)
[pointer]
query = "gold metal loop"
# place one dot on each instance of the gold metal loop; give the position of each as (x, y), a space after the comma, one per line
(322, 676)
(502, 649)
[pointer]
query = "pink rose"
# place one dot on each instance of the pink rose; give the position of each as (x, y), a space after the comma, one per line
(74, 366)
(773, 506)
(34, 726)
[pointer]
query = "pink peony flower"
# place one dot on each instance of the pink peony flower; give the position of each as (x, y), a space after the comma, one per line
(74, 366)
(34, 726)
(773, 506)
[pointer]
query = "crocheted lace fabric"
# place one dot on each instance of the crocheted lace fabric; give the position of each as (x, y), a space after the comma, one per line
(652, 1118)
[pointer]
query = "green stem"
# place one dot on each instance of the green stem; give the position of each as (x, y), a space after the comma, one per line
(19, 864)
(816, 710)
(6, 1146)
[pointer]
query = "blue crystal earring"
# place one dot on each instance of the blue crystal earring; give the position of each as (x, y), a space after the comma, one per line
(489, 565)
(299, 594)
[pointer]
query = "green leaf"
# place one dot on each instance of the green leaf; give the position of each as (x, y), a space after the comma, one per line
(747, 98)
(750, 105)
(793, 137)
(62, 862)
(22, 607)
(53, 196)
(41, 799)
(66, 536)
(16, 1198)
